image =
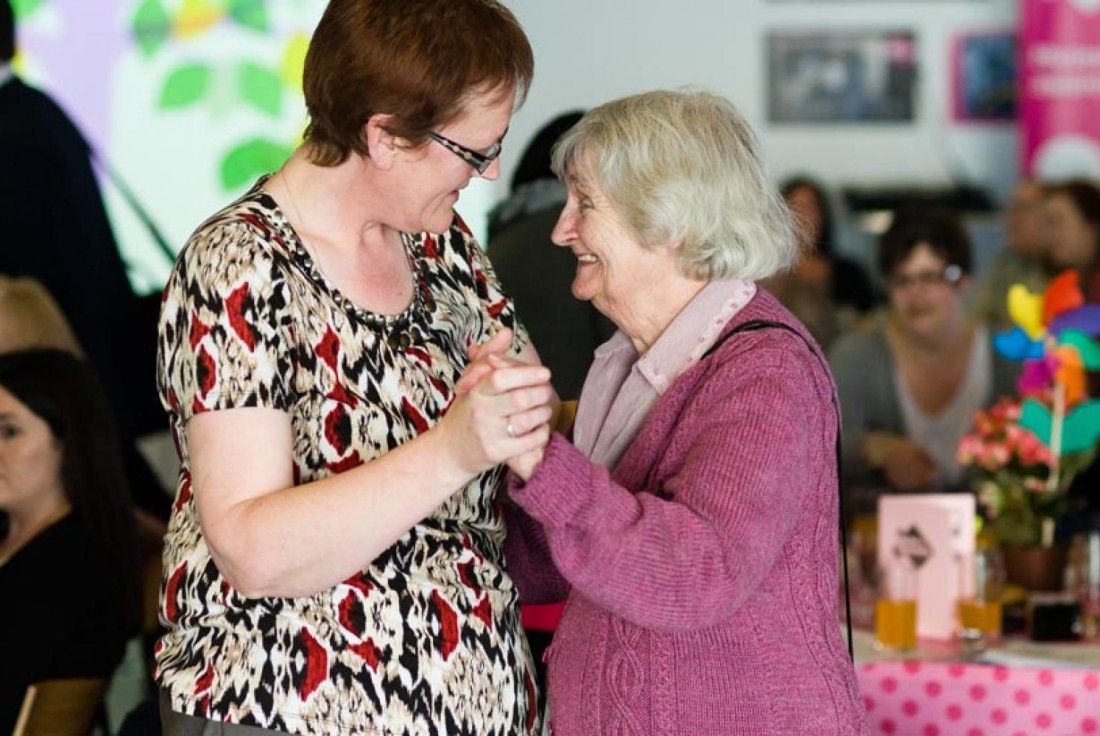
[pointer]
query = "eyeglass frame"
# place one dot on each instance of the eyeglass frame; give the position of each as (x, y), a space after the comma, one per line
(951, 275)
(479, 162)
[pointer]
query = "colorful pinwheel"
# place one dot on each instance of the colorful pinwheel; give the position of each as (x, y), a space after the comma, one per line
(1054, 337)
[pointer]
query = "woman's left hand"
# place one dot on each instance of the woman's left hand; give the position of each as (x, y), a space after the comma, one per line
(525, 463)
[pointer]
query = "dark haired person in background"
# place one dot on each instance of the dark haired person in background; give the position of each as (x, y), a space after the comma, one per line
(1071, 213)
(68, 575)
(830, 293)
(909, 385)
(536, 273)
(55, 230)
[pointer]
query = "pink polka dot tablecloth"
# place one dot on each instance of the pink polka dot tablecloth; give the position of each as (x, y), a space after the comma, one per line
(943, 699)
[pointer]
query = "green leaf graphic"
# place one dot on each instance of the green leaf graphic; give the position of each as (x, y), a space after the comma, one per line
(185, 86)
(249, 13)
(261, 88)
(248, 160)
(23, 8)
(151, 26)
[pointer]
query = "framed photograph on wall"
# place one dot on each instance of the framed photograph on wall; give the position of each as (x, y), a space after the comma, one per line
(841, 76)
(983, 69)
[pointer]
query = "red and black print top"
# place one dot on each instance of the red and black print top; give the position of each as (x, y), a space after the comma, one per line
(425, 640)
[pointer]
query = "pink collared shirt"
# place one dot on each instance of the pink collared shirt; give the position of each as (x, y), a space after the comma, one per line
(621, 387)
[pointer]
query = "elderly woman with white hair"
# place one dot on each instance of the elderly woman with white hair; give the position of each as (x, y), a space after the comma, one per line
(693, 519)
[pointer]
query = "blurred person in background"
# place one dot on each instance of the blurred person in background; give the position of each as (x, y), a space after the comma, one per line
(1024, 259)
(68, 575)
(56, 230)
(1071, 214)
(536, 273)
(827, 291)
(30, 318)
(1071, 211)
(910, 384)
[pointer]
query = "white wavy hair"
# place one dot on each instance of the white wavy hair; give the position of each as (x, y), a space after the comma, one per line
(682, 166)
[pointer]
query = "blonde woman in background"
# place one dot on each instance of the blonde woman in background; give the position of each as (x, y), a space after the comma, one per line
(30, 318)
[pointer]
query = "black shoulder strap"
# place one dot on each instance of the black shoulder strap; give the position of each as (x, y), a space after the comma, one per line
(760, 324)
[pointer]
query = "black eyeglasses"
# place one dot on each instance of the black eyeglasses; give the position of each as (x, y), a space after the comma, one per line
(480, 162)
(950, 275)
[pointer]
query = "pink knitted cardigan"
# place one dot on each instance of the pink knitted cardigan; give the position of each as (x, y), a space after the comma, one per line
(702, 571)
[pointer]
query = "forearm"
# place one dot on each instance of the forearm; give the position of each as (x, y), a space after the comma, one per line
(671, 564)
(300, 540)
(528, 558)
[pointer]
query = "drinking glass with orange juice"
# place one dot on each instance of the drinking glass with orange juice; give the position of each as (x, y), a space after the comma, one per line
(983, 581)
(896, 606)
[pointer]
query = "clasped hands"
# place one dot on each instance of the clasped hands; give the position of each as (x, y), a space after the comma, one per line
(502, 409)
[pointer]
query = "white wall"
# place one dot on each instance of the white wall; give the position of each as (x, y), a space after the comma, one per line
(589, 51)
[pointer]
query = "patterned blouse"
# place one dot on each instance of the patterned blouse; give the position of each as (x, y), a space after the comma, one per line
(426, 639)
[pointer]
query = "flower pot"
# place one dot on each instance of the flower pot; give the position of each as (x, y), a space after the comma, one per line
(1036, 568)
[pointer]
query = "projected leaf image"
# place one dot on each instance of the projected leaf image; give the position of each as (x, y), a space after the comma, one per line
(224, 87)
(245, 162)
(185, 86)
(251, 13)
(152, 26)
(23, 8)
(261, 87)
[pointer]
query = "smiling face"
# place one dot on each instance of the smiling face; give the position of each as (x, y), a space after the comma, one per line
(620, 276)
(30, 461)
(925, 294)
(429, 178)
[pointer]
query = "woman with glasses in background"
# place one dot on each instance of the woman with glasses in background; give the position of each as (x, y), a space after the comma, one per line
(334, 563)
(909, 385)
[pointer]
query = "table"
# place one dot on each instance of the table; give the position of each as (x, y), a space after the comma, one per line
(1026, 689)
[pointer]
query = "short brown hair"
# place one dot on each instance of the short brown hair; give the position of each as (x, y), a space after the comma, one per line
(940, 229)
(417, 60)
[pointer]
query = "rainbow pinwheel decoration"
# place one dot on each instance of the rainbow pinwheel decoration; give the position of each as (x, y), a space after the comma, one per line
(1054, 337)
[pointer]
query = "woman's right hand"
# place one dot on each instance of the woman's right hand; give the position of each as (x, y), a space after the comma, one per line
(906, 465)
(504, 415)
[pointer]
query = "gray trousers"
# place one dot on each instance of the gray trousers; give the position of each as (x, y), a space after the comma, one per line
(177, 724)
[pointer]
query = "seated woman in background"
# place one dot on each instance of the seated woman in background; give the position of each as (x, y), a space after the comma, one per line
(31, 318)
(1071, 215)
(67, 562)
(909, 385)
(828, 292)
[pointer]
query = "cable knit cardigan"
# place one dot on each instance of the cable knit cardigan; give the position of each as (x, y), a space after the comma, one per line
(702, 570)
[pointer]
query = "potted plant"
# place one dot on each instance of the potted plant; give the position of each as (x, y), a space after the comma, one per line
(1026, 449)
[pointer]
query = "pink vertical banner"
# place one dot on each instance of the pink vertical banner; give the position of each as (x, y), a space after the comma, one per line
(1059, 102)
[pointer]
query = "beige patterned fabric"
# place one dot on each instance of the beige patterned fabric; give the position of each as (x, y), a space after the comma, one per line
(426, 640)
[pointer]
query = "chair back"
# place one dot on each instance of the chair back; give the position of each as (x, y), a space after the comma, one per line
(61, 707)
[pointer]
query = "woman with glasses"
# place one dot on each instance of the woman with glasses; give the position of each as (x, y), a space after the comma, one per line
(910, 384)
(333, 562)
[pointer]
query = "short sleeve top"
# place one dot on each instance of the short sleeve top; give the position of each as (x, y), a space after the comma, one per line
(426, 638)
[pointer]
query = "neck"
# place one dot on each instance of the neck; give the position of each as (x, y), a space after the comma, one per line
(655, 310)
(334, 204)
(23, 526)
